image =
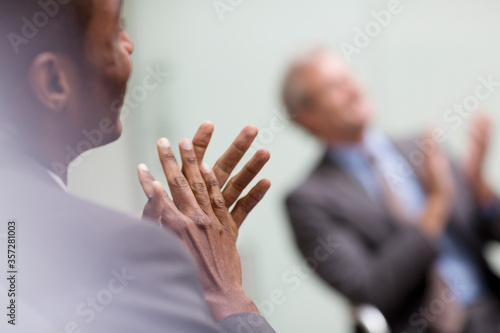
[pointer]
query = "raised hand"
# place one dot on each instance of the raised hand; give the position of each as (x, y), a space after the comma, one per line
(226, 164)
(222, 169)
(439, 184)
(199, 212)
(438, 180)
(479, 139)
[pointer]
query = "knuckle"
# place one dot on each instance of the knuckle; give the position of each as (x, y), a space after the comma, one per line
(200, 219)
(247, 208)
(240, 147)
(254, 198)
(236, 185)
(198, 188)
(212, 182)
(168, 157)
(191, 160)
(226, 167)
(218, 203)
(252, 170)
(179, 182)
(249, 204)
(203, 201)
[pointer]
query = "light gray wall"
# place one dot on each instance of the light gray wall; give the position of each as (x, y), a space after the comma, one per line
(428, 58)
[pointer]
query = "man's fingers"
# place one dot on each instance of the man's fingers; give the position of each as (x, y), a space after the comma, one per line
(179, 187)
(159, 206)
(228, 161)
(193, 175)
(238, 183)
(216, 198)
(146, 179)
(246, 204)
(155, 205)
(481, 124)
(202, 139)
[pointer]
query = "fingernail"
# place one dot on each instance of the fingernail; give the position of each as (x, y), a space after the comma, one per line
(143, 167)
(186, 144)
(164, 143)
(205, 168)
(155, 184)
(253, 128)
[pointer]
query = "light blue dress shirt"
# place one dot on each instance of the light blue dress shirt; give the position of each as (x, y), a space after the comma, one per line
(455, 264)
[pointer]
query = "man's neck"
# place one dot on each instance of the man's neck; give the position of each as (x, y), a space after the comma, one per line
(347, 140)
(53, 161)
(47, 155)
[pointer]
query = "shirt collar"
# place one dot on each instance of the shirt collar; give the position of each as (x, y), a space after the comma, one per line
(372, 138)
(58, 180)
(7, 146)
(374, 145)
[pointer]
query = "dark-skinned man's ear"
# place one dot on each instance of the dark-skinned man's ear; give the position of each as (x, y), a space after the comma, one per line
(49, 81)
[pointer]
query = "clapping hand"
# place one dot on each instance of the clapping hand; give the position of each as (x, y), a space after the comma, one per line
(480, 133)
(199, 210)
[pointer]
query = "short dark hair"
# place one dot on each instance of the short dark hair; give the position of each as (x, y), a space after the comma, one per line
(30, 27)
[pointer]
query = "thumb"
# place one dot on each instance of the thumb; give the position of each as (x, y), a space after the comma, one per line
(154, 207)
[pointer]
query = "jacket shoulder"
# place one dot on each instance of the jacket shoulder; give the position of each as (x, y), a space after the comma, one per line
(309, 187)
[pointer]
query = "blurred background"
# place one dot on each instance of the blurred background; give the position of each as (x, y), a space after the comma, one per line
(224, 60)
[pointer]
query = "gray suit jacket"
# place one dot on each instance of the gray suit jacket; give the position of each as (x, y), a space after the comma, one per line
(84, 268)
(360, 249)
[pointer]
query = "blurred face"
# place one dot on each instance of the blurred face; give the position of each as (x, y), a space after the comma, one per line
(336, 108)
(105, 75)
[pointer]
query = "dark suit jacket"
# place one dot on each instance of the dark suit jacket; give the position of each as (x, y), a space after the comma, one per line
(84, 268)
(363, 252)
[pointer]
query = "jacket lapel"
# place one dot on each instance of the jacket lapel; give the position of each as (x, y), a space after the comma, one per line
(371, 219)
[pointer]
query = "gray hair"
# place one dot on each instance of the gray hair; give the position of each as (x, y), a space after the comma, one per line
(293, 94)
